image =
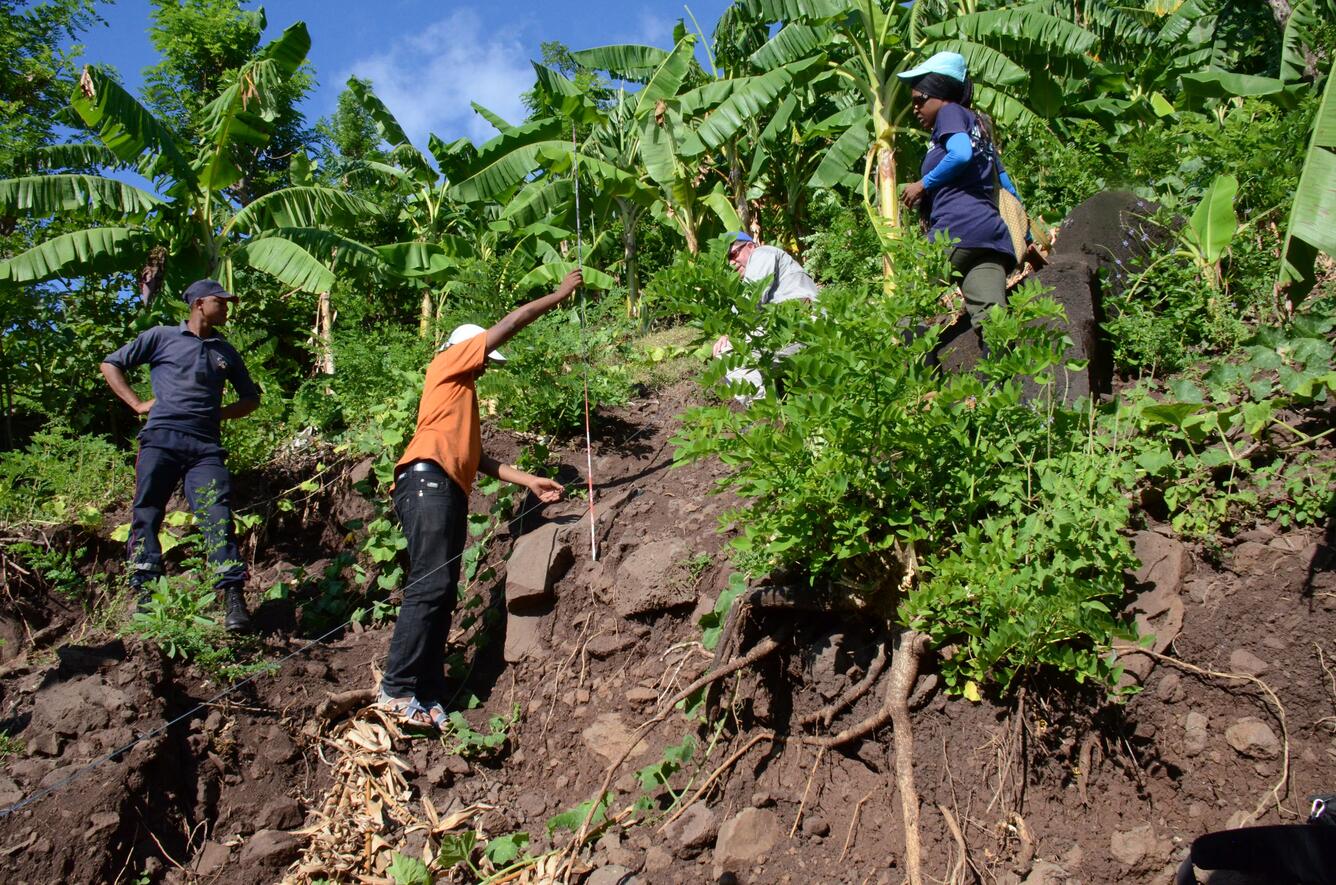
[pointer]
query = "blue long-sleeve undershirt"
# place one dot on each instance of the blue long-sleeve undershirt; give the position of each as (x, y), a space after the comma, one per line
(959, 152)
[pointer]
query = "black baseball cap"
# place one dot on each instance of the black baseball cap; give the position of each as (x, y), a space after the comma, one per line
(203, 289)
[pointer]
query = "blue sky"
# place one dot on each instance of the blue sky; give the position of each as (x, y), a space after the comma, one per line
(427, 60)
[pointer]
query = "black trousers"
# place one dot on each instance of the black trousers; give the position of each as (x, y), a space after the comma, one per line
(433, 511)
(166, 458)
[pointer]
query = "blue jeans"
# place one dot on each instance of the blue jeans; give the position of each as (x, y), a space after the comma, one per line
(433, 511)
(166, 458)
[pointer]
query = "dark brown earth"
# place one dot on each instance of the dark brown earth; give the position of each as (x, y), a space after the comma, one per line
(1057, 785)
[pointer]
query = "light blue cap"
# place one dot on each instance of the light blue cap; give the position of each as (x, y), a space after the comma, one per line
(948, 64)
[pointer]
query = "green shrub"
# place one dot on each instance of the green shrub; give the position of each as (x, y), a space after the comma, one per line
(872, 453)
(366, 363)
(541, 388)
(61, 477)
(845, 248)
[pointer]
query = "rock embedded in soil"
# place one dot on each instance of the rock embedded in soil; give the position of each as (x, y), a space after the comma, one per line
(606, 645)
(816, 826)
(694, 830)
(211, 859)
(1131, 847)
(657, 859)
(609, 737)
(1243, 661)
(1253, 738)
(537, 561)
(651, 579)
(613, 874)
(745, 839)
(1046, 873)
(270, 848)
(1195, 733)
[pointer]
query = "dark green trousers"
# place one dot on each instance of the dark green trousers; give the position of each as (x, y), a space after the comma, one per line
(982, 274)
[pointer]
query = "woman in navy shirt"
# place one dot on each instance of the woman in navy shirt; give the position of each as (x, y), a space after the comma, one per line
(955, 194)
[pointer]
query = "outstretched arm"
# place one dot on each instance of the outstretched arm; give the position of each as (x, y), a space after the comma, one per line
(526, 313)
(544, 489)
(120, 386)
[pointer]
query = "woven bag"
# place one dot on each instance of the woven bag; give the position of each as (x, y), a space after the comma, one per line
(1013, 213)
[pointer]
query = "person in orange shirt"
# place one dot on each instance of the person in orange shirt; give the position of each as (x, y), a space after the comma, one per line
(432, 481)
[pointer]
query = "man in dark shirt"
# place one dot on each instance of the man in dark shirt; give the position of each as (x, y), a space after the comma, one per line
(188, 366)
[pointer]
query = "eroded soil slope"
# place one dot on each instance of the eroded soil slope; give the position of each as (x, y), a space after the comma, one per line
(1056, 786)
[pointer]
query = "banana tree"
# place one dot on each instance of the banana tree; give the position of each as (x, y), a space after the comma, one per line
(441, 230)
(683, 134)
(1010, 52)
(189, 227)
(1312, 224)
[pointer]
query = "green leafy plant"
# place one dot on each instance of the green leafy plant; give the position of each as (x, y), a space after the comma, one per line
(405, 870)
(62, 476)
(871, 453)
(462, 739)
(57, 567)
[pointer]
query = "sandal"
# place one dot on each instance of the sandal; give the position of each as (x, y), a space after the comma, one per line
(439, 718)
(408, 711)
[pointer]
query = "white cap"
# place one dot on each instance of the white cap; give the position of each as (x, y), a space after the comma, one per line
(464, 333)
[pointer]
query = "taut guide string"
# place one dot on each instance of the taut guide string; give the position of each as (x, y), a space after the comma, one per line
(579, 259)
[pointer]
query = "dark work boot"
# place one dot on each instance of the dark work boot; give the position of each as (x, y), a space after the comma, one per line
(238, 619)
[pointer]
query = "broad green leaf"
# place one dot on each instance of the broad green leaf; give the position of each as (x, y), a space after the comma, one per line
(508, 160)
(127, 129)
(1022, 26)
(1302, 32)
(986, 65)
(417, 259)
(47, 195)
(793, 42)
(551, 272)
(1312, 225)
(1225, 84)
(287, 262)
(491, 117)
(753, 100)
(539, 199)
(626, 61)
(386, 124)
(1172, 414)
(84, 155)
(844, 155)
(1213, 225)
(722, 206)
(667, 79)
(243, 113)
(99, 250)
(799, 10)
(302, 207)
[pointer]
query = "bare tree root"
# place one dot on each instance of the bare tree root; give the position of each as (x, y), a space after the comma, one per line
(957, 872)
(765, 647)
(1275, 791)
(853, 825)
(886, 712)
(909, 648)
(827, 714)
(714, 775)
(336, 706)
(820, 754)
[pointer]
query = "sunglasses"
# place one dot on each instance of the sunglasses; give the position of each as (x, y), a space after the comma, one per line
(918, 100)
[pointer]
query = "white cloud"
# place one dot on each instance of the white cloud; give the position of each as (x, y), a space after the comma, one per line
(428, 79)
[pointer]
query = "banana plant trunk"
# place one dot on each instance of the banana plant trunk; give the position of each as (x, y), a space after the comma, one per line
(425, 314)
(888, 207)
(631, 270)
(737, 186)
(324, 334)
